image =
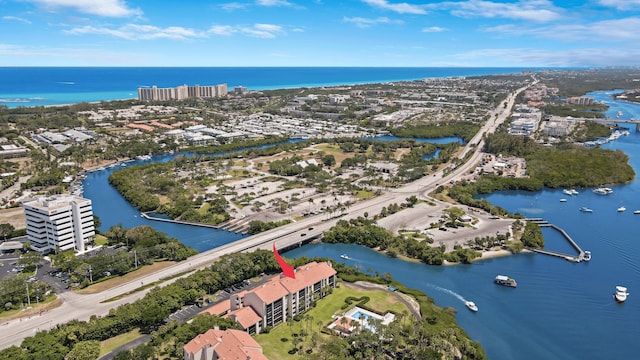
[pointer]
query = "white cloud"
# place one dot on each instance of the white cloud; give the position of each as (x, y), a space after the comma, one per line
(532, 10)
(365, 22)
(620, 30)
(139, 32)
(400, 8)
(222, 30)
(432, 29)
(107, 8)
(263, 31)
(273, 3)
(233, 6)
(15, 18)
(620, 4)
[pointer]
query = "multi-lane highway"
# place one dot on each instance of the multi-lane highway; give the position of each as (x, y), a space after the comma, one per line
(82, 307)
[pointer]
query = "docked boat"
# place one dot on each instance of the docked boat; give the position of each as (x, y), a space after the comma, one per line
(505, 281)
(603, 191)
(587, 255)
(586, 209)
(621, 294)
(563, 200)
(570, 191)
(622, 208)
(471, 305)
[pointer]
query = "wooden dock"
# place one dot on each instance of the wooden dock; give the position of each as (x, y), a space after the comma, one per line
(573, 258)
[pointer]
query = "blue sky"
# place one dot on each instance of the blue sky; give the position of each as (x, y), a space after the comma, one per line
(319, 33)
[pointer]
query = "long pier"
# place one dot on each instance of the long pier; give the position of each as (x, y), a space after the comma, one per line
(581, 253)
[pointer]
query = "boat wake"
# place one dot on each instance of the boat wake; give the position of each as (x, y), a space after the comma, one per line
(450, 292)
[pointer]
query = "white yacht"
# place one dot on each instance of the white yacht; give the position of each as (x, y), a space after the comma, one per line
(622, 208)
(563, 200)
(585, 209)
(587, 255)
(603, 191)
(621, 294)
(344, 256)
(636, 212)
(471, 305)
(570, 191)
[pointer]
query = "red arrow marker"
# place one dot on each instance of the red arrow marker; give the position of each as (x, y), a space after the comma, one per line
(287, 270)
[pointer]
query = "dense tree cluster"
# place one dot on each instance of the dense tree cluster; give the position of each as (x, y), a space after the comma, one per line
(464, 129)
(532, 236)
(17, 291)
(362, 232)
(257, 226)
(565, 166)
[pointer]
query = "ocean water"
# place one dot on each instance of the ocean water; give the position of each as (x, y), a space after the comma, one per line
(44, 86)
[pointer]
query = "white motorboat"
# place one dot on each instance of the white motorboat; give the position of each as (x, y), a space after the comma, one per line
(471, 305)
(344, 256)
(505, 281)
(587, 255)
(621, 294)
(570, 191)
(603, 191)
(622, 208)
(563, 200)
(636, 212)
(586, 209)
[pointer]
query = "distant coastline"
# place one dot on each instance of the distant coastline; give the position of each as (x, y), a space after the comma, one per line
(57, 86)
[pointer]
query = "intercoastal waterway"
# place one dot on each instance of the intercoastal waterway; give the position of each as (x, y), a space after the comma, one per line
(560, 310)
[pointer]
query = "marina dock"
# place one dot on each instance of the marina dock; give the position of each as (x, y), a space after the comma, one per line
(573, 258)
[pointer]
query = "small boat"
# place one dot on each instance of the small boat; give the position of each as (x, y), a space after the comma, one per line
(603, 191)
(585, 209)
(344, 256)
(471, 305)
(563, 200)
(622, 208)
(587, 255)
(636, 212)
(505, 281)
(621, 294)
(570, 191)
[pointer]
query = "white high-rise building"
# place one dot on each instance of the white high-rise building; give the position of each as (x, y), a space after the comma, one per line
(59, 222)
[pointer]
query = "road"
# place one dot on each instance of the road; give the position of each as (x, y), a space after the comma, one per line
(82, 307)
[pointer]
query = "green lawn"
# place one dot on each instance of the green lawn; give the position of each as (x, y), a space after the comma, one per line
(275, 348)
(364, 194)
(101, 240)
(108, 345)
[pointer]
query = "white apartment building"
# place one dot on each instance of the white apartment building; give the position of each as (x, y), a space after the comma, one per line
(63, 222)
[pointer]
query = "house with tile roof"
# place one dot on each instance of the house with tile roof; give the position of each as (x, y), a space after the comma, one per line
(223, 345)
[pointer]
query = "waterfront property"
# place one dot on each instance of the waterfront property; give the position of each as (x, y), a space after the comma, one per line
(279, 298)
(181, 92)
(223, 344)
(59, 223)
